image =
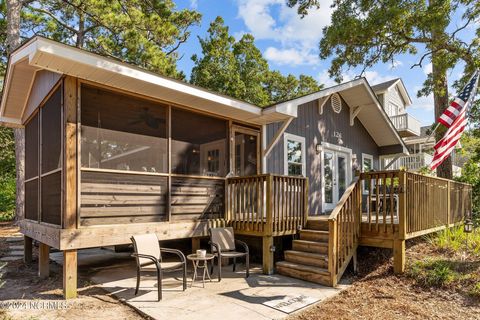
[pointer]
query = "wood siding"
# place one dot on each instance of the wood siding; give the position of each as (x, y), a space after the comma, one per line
(42, 85)
(317, 128)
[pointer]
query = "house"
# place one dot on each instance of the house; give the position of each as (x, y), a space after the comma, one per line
(112, 150)
(394, 97)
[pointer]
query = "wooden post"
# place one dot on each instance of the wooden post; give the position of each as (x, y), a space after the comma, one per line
(27, 249)
(268, 255)
(398, 256)
(448, 203)
(399, 239)
(43, 260)
(332, 251)
(195, 244)
(70, 274)
(71, 185)
(267, 240)
(70, 166)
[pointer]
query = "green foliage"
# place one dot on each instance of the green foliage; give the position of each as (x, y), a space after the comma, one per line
(383, 30)
(7, 198)
(237, 69)
(142, 32)
(471, 169)
(454, 241)
(7, 174)
(436, 273)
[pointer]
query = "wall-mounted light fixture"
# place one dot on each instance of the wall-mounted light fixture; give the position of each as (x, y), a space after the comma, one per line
(318, 148)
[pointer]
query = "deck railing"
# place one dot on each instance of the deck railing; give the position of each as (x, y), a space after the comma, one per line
(415, 204)
(405, 122)
(344, 228)
(266, 205)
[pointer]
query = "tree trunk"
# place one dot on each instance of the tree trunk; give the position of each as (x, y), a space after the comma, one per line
(14, 8)
(440, 98)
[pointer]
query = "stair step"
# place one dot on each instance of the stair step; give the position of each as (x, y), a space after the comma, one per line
(310, 246)
(307, 273)
(317, 224)
(307, 258)
(313, 235)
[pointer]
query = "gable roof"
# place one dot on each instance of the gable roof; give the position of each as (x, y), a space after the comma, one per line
(356, 93)
(43, 54)
(384, 86)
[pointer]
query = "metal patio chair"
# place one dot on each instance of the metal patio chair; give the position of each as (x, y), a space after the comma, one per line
(149, 258)
(224, 245)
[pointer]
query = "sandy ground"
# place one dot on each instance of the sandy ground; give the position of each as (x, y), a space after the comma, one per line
(42, 299)
(376, 294)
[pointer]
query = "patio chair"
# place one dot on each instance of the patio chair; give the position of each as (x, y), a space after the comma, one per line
(224, 245)
(149, 258)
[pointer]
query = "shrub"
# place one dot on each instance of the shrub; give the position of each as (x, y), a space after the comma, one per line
(7, 199)
(455, 240)
(436, 273)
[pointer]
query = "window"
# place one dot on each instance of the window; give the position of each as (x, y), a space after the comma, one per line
(123, 133)
(391, 109)
(199, 144)
(294, 155)
(367, 165)
(246, 152)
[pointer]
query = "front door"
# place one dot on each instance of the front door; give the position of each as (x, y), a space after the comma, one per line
(337, 168)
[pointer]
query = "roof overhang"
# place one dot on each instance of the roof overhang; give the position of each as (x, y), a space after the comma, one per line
(356, 93)
(44, 54)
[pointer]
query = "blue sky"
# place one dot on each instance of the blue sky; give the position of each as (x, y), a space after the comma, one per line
(290, 44)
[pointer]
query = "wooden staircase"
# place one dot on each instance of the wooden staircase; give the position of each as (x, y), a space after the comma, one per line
(308, 259)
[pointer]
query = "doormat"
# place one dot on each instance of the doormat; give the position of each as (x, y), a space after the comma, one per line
(291, 303)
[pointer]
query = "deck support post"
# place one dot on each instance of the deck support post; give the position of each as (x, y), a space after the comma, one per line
(27, 249)
(268, 254)
(398, 256)
(43, 261)
(70, 274)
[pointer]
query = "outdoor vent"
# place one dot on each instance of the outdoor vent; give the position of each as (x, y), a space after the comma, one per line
(336, 103)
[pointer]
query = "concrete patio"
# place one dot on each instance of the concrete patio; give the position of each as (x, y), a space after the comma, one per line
(233, 298)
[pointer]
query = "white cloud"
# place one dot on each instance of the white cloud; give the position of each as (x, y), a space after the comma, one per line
(194, 4)
(427, 69)
(290, 56)
(422, 103)
(373, 77)
(395, 64)
(273, 20)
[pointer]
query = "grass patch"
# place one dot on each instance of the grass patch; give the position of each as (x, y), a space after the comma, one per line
(455, 241)
(451, 262)
(433, 273)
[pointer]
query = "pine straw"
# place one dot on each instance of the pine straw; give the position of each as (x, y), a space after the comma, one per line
(377, 293)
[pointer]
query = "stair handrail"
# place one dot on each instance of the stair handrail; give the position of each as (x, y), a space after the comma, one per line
(341, 251)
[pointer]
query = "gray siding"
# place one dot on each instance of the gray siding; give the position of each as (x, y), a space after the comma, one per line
(393, 95)
(316, 129)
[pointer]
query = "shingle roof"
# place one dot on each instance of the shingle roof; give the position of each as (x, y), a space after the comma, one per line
(384, 85)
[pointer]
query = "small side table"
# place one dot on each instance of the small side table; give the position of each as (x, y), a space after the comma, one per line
(196, 264)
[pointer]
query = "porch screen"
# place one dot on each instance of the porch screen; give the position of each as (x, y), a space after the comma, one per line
(122, 132)
(199, 144)
(32, 143)
(51, 159)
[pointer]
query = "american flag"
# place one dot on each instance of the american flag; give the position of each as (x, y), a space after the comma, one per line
(455, 119)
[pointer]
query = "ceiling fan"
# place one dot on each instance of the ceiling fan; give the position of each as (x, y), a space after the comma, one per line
(149, 119)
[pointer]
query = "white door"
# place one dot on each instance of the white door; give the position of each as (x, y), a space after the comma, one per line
(337, 168)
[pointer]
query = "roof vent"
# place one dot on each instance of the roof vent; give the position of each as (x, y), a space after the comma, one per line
(336, 103)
